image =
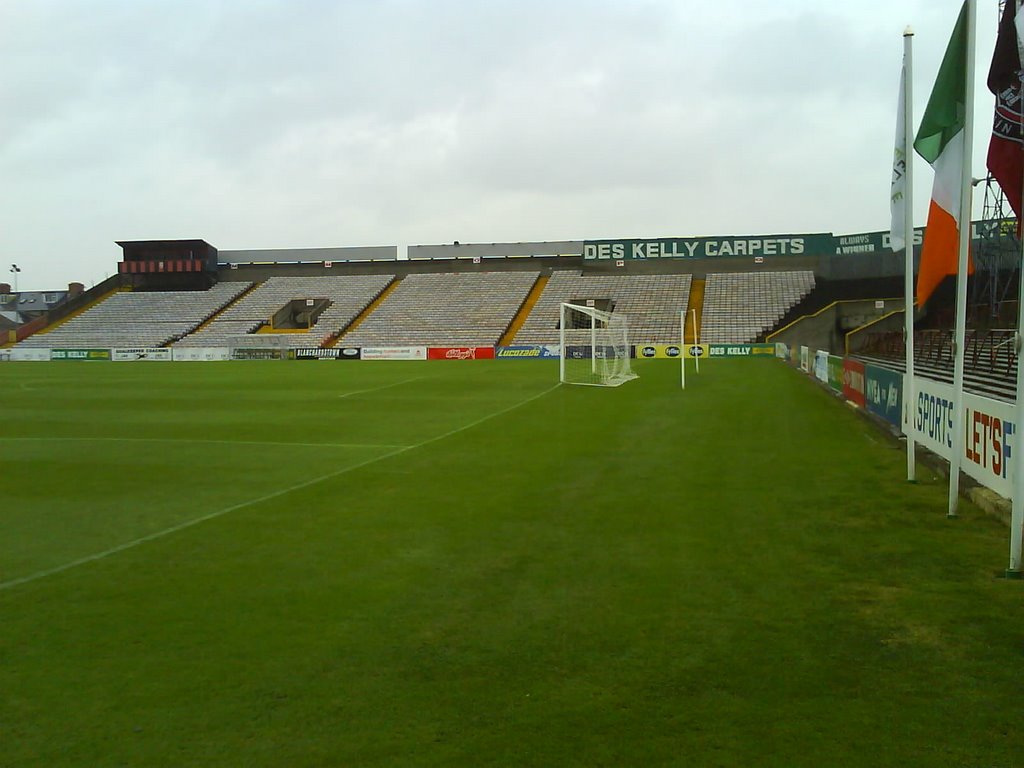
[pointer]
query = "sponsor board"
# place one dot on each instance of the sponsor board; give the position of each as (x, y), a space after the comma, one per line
(30, 355)
(394, 353)
(349, 353)
(601, 352)
(821, 366)
(990, 433)
(741, 350)
(835, 372)
(259, 353)
(805, 359)
(577, 351)
(781, 351)
(314, 353)
(460, 353)
(708, 247)
(883, 391)
(658, 351)
(527, 352)
(79, 354)
(200, 354)
(160, 354)
(853, 382)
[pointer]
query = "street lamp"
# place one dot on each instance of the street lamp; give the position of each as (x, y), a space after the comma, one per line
(15, 269)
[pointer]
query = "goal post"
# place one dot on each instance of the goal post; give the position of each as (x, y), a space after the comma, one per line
(693, 350)
(593, 347)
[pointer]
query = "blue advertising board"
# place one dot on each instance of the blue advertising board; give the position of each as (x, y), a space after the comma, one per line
(884, 394)
(527, 352)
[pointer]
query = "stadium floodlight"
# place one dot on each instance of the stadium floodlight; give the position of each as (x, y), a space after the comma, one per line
(593, 347)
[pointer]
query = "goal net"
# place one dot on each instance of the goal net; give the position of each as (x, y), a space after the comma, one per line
(593, 347)
(258, 346)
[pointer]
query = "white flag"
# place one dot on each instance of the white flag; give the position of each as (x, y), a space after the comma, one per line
(898, 190)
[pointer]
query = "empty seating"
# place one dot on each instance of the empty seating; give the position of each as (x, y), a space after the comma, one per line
(238, 324)
(138, 319)
(652, 304)
(741, 306)
(448, 309)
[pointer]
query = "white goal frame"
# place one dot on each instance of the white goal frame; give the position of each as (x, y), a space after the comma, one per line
(684, 349)
(608, 330)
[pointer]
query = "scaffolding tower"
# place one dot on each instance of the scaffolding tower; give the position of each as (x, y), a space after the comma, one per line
(996, 259)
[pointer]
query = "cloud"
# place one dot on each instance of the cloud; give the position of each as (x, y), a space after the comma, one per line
(308, 122)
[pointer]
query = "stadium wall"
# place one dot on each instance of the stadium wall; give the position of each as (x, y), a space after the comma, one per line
(283, 255)
(826, 329)
(536, 249)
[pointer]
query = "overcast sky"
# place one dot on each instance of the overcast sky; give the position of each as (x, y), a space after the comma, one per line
(314, 123)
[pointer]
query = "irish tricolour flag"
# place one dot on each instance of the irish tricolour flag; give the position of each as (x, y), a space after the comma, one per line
(940, 141)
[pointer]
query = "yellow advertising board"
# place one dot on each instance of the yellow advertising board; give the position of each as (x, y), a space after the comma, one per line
(671, 351)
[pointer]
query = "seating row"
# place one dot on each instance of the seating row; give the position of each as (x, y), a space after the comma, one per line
(462, 308)
(651, 302)
(138, 319)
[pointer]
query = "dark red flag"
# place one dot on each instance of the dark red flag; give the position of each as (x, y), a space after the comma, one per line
(1005, 158)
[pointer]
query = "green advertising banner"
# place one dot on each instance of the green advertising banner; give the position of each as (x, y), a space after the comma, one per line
(756, 246)
(835, 373)
(79, 354)
(710, 247)
(741, 350)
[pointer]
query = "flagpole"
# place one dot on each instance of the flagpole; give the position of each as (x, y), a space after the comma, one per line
(1017, 506)
(960, 330)
(1017, 501)
(908, 237)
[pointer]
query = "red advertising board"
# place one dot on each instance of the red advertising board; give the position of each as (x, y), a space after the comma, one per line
(460, 353)
(853, 382)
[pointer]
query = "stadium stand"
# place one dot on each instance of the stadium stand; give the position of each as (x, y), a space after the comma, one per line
(446, 309)
(139, 319)
(651, 302)
(238, 324)
(990, 362)
(741, 306)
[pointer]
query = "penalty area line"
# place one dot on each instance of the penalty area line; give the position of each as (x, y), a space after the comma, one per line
(11, 583)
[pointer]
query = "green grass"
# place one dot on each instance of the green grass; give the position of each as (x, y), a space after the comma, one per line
(472, 569)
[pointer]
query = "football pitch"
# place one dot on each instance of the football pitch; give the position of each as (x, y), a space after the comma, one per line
(462, 563)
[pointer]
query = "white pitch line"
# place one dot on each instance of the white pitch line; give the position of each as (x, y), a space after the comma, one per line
(386, 386)
(46, 438)
(267, 497)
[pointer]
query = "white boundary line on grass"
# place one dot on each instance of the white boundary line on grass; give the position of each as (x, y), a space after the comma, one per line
(234, 507)
(377, 389)
(48, 438)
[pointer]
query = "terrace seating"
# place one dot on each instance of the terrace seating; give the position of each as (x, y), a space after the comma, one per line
(446, 309)
(990, 361)
(741, 306)
(651, 302)
(237, 326)
(138, 319)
